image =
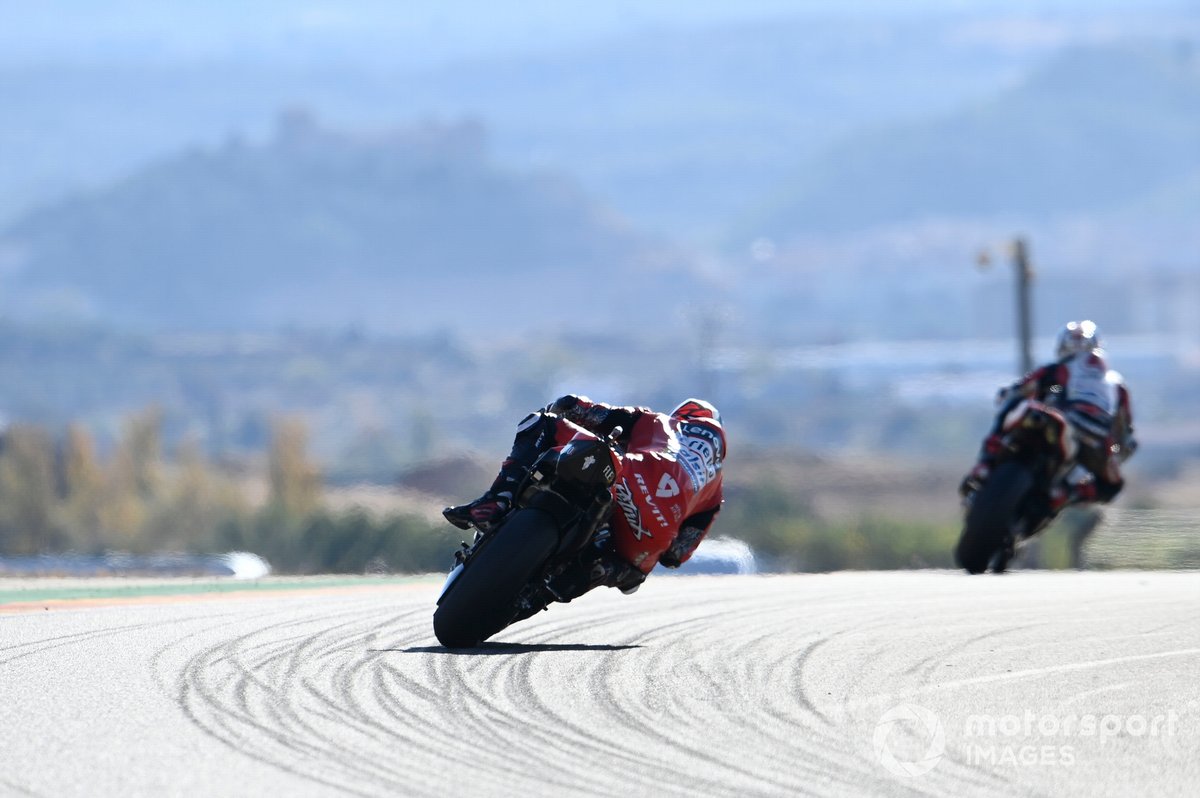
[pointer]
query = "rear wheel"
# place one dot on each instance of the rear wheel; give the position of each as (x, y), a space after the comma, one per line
(482, 600)
(992, 516)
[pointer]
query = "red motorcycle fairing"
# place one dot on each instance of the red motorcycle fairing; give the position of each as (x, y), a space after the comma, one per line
(654, 490)
(1059, 432)
(657, 490)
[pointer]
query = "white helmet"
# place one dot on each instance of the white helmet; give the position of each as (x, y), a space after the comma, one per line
(1076, 337)
(701, 421)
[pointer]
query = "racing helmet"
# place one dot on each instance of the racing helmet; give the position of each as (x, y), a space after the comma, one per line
(1076, 337)
(696, 408)
(705, 419)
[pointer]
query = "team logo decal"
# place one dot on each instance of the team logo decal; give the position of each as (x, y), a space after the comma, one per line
(697, 431)
(667, 487)
(698, 454)
(697, 460)
(657, 513)
(630, 510)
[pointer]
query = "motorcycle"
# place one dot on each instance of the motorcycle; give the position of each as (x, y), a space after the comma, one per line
(543, 551)
(1038, 456)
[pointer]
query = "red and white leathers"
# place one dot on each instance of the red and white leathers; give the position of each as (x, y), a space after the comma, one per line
(668, 489)
(1095, 401)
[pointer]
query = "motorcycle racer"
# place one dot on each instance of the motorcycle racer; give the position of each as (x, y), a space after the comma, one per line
(667, 494)
(1095, 402)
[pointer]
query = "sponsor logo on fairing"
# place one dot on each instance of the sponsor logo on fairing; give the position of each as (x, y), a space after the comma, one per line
(696, 457)
(629, 508)
(697, 431)
(588, 462)
(658, 516)
(698, 454)
(667, 487)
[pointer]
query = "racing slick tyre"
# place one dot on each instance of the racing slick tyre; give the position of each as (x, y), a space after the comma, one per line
(482, 600)
(991, 517)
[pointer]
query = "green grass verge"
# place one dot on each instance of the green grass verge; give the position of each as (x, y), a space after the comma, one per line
(81, 589)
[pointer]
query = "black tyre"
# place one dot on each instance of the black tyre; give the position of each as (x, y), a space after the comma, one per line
(991, 517)
(482, 601)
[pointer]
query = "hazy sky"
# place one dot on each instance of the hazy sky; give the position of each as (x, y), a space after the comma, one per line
(414, 33)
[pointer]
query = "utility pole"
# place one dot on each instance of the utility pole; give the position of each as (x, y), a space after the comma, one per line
(1024, 277)
(1031, 554)
(1024, 281)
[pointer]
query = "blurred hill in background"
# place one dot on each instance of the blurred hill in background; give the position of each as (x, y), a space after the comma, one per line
(315, 228)
(151, 166)
(1050, 147)
(677, 114)
(1094, 153)
(682, 116)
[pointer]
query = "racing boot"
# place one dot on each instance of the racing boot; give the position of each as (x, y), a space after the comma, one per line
(612, 571)
(974, 479)
(487, 509)
(979, 473)
(1073, 493)
(534, 435)
(606, 570)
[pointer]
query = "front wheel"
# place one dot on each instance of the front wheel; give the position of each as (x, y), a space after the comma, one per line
(482, 600)
(992, 516)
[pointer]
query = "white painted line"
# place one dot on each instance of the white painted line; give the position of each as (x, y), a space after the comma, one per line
(1021, 674)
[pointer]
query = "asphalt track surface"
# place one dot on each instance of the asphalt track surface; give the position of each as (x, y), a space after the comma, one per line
(915, 683)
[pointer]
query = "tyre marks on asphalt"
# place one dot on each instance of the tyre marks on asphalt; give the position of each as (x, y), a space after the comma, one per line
(705, 686)
(264, 694)
(645, 695)
(700, 701)
(772, 660)
(549, 709)
(13, 788)
(12, 653)
(688, 694)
